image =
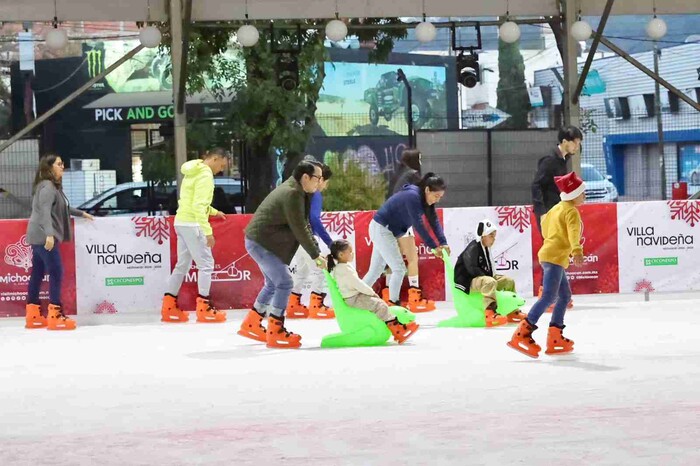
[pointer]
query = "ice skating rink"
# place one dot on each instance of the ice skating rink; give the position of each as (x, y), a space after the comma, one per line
(128, 390)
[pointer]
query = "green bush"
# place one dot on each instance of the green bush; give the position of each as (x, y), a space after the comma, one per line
(352, 187)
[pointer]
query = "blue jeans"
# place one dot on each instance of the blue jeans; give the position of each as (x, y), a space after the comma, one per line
(45, 261)
(278, 286)
(555, 288)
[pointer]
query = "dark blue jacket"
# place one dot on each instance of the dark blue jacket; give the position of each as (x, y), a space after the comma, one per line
(404, 210)
(315, 218)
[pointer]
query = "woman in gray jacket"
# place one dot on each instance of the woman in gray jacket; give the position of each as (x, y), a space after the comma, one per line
(48, 226)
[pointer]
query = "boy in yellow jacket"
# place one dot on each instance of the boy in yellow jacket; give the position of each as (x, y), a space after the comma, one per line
(561, 229)
(195, 238)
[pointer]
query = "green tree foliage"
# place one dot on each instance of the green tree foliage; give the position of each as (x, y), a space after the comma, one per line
(352, 187)
(512, 92)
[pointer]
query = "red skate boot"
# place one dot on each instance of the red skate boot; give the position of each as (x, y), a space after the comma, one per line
(402, 332)
(385, 296)
(493, 319)
(33, 317)
(252, 326)
(58, 321)
(557, 343)
(318, 310)
(416, 302)
(206, 313)
(169, 312)
(523, 342)
(516, 316)
(278, 336)
(296, 310)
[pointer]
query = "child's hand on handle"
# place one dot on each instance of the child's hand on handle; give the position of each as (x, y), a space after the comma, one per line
(578, 260)
(321, 262)
(438, 251)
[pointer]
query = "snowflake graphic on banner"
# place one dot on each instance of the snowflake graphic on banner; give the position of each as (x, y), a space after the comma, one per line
(342, 223)
(516, 217)
(643, 285)
(105, 307)
(687, 211)
(156, 228)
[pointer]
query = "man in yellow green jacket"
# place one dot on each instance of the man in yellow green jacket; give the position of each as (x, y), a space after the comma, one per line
(195, 238)
(561, 228)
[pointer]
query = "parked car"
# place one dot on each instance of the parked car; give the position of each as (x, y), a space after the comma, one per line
(138, 198)
(695, 196)
(599, 188)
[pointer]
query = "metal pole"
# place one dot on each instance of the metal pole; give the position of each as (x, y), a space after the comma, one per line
(180, 117)
(572, 111)
(56, 108)
(185, 47)
(489, 166)
(409, 110)
(594, 48)
(650, 73)
(660, 122)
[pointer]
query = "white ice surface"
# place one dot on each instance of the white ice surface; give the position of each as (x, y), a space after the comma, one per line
(132, 391)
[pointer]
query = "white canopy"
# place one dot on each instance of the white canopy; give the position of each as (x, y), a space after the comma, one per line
(217, 10)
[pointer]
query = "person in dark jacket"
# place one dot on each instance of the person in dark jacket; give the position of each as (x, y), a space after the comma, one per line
(49, 225)
(279, 226)
(407, 174)
(475, 271)
(403, 210)
(545, 193)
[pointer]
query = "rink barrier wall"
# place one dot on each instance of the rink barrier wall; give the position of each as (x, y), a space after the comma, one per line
(121, 264)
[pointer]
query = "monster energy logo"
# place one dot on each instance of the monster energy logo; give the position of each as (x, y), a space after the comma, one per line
(94, 62)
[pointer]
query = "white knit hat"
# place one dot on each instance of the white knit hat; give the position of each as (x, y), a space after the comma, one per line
(485, 227)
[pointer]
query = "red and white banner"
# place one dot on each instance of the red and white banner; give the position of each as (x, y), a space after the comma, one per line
(628, 247)
(599, 273)
(16, 268)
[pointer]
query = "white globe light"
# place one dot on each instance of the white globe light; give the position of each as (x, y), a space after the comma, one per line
(656, 28)
(509, 32)
(336, 30)
(581, 31)
(426, 32)
(150, 36)
(56, 39)
(247, 35)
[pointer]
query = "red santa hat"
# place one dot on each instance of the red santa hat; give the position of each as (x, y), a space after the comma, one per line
(570, 186)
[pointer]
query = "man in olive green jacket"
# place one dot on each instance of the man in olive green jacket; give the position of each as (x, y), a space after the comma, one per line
(280, 225)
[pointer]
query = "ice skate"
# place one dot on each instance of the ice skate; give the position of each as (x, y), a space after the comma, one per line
(402, 332)
(493, 319)
(385, 295)
(252, 326)
(416, 302)
(57, 320)
(33, 317)
(516, 316)
(278, 336)
(169, 312)
(318, 310)
(557, 343)
(206, 313)
(296, 310)
(523, 342)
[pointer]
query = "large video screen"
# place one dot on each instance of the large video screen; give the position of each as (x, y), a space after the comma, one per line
(360, 99)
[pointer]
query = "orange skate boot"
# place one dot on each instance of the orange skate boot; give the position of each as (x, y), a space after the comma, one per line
(58, 321)
(493, 319)
(296, 310)
(416, 302)
(207, 313)
(318, 310)
(557, 343)
(252, 326)
(33, 317)
(385, 296)
(169, 312)
(516, 316)
(522, 340)
(402, 332)
(278, 336)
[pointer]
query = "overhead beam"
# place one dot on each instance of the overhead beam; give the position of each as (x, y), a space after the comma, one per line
(592, 52)
(73, 95)
(674, 90)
